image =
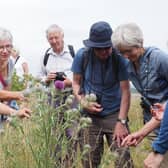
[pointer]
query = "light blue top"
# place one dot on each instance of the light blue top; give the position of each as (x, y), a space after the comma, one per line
(99, 78)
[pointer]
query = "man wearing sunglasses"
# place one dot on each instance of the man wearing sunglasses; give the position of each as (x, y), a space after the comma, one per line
(98, 69)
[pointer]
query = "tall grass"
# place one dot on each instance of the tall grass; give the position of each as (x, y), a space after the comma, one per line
(41, 142)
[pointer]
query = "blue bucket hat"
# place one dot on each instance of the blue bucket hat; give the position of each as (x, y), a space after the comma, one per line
(100, 35)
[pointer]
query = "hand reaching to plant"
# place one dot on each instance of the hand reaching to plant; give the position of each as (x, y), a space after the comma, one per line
(22, 113)
(133, 139)
(158, 111)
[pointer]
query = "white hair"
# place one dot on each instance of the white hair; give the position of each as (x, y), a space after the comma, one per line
(5, 34)
(127, 35)
(54, 28)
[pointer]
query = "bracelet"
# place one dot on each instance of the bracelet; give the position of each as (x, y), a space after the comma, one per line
(13, 112)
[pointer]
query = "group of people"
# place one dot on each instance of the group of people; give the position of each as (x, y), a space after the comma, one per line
(104, 67)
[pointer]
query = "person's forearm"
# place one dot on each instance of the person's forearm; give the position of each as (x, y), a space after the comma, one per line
(76, 90)
(6, 110)
(67, 82)
(125, 103)
(8, 95)
(149, 127)
(125, 99)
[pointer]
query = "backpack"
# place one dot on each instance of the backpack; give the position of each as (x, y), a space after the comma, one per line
(46, 55)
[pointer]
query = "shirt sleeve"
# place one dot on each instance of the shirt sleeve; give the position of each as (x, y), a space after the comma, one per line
(77, 62)
(122, 68)
(162, 59)
(161, 143)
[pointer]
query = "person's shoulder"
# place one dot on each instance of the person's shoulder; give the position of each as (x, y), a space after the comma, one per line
(154, 51)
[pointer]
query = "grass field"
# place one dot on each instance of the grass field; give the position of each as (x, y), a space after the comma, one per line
(28, 143)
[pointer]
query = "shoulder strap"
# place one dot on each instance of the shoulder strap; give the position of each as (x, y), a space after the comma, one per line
(17, 59)
(46, 55)
(85, 60)
(71, 50)
(115, 63)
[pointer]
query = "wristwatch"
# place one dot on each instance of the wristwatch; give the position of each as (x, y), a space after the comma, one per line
(123, 121)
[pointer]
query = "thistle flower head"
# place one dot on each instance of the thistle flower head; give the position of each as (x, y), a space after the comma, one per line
(59, 84)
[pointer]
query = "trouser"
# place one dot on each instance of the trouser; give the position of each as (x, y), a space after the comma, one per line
(94, 136)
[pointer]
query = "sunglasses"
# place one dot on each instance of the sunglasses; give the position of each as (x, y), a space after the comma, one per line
(101, 49)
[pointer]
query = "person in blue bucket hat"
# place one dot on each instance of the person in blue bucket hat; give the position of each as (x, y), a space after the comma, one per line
(100, 71)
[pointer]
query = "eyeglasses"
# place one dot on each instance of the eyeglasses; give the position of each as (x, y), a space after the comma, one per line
(7, 47)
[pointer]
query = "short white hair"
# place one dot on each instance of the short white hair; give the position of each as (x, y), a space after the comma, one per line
(5, 34)
(127, 35)
(54, 28)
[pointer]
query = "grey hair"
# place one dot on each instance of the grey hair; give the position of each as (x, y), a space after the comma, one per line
(5, 34)
(127, 35)
(54, 28)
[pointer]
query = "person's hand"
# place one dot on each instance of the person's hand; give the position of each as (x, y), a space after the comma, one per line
(51, 76)
(158, 110)
(92, 107)
(153, 160)
(19, 96)
(132, 139)
(120, 132)
(24, 113)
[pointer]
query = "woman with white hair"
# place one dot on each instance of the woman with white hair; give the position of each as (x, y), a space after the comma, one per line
(6, 63)
(147, 68)
(6, 68)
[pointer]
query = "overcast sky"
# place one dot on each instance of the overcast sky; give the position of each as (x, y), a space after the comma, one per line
(28, 19)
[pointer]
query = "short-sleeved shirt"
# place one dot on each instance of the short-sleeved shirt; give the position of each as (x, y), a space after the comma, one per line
(99, 78)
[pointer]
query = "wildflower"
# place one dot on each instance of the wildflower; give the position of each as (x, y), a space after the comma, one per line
(71, 96)
(59, 84)
(86, 149)
(27, 91)
(39, 87)
(90, 97)
(85, 122)
(93, 97)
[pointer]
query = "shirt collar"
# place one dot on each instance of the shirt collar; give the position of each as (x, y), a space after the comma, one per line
(65, 50)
